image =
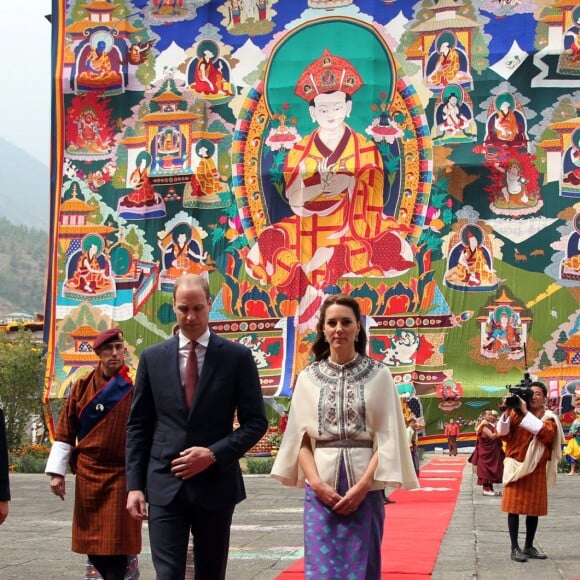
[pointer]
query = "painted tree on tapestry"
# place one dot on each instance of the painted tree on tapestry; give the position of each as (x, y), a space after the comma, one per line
(423, 157)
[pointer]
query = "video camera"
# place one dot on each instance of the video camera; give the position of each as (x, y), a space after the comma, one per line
(522, 390)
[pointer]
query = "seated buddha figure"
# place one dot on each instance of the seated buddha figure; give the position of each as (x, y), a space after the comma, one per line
(506, 125)
(99, 66)
(469, 265)
(334, 186)
(92, 273)
(448, 64)
(206, 183)
(570, 265)
(182, 253)
(144, 202)
(210, 72)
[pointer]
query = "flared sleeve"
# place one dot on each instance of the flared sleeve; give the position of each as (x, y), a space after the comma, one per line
(385, 416)
(301, 419)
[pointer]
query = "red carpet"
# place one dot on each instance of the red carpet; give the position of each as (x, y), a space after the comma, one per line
(415, 524)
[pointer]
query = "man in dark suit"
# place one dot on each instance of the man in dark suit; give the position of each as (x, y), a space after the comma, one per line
(184, 462)
(4, 483)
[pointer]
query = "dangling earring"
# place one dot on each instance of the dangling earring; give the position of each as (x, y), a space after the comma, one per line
(356, 338)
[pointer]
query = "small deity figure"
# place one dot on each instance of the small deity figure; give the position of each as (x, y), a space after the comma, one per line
(88, 135)
(515, 189)
(262, 6)
(506, 126)
(91, 272)
(211, 73)
(182, 253)
(206, 184)
(99, 67)
(144, 202)
(207, 178)
(453, 117)
(448, 65)
(503, 336)
(470, 264)
(569, 61)
(570, 265)
(139, 51)
(571, 166)
(235, 10)
(169, 148)
(167, 7)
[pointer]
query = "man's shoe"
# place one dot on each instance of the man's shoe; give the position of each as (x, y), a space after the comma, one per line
(488, 492)
(518, 555)
(534, 554)
(389, 500)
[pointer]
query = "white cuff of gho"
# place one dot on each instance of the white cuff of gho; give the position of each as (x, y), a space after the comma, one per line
(531, 423)
(58, 458)
(503, 425)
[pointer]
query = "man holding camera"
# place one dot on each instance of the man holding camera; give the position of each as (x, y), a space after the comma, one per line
(533, 437)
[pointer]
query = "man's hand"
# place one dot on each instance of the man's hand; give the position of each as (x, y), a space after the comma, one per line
(4, 509)
(136, 505)
(57, 486)
(192, 461)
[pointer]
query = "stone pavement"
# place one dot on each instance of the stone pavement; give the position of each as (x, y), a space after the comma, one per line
(267, 535)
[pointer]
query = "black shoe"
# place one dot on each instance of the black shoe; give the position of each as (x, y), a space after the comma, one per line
(534, 554)
(389, 500)
(518, 555)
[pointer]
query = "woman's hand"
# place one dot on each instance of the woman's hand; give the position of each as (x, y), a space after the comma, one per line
(352, 499)
(326, 494)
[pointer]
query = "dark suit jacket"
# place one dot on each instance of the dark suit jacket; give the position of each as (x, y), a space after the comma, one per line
(4, 485)
(159, 427)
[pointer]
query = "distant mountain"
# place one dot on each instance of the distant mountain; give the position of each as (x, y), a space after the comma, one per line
(24, 187)
(23, 259)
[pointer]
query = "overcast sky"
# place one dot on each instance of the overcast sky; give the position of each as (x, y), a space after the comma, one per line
(26, 73)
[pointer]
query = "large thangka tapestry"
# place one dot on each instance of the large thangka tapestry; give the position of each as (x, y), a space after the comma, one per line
(423, 157)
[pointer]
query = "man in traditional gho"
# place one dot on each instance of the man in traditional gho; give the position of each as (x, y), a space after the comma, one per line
(90, 437)
(533, 437)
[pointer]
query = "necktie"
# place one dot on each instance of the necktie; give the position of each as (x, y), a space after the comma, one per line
(191, 375)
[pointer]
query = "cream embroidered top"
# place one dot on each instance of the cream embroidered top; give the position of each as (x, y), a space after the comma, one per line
(354, 405)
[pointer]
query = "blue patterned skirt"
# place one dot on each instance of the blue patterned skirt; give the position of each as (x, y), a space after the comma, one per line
(343, 547)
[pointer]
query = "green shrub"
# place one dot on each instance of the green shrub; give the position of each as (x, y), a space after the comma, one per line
(259, 464)
(28, 464)
(29, 459)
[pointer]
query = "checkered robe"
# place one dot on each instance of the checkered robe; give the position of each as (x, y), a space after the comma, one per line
(101, 523)
(529, 495)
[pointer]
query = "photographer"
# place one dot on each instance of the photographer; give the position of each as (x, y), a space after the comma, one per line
(533, 437)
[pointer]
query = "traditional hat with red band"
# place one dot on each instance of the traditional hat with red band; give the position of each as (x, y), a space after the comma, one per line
(328, 74)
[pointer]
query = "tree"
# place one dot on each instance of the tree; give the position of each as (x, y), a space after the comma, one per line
(21, 370)
(544, 361)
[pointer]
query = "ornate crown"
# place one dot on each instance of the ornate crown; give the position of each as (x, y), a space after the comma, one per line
(327, 74)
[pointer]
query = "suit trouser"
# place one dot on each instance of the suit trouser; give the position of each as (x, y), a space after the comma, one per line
(169, 529)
